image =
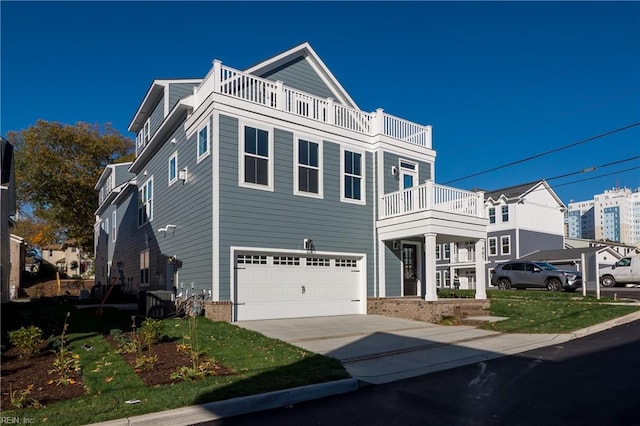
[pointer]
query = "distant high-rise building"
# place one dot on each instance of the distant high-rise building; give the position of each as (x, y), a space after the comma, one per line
(613, 215)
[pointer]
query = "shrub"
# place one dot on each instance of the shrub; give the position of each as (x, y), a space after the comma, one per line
(27, 340)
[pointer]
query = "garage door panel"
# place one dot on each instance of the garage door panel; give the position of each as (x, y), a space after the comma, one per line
(297, 290)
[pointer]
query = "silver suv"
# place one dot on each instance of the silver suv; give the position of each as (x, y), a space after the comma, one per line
(518, 274)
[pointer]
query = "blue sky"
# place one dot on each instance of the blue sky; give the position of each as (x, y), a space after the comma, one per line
(497, 81)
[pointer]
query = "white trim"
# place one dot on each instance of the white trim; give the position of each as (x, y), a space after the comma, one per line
(363, 176)
(296, 179)
(205, 154)
(495, 239)
(175, 178)
(241, 154)
(215, 207)
(502, 253)
(414, 173)
(114, 225)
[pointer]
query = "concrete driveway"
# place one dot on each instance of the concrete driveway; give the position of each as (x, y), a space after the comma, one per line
(377, 349)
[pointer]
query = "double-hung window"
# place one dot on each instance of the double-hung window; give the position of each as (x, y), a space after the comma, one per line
(144, 267)
(447, 251)
(114, 225)
(256, 164)
(309, 168)
(173, 168)
(505, 245)
(203, 142)
(493, 246)
(145, 202)
(505, 213)
(352, 181)
(492, 215)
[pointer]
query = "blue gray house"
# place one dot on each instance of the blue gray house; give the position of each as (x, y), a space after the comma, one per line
(270, 191)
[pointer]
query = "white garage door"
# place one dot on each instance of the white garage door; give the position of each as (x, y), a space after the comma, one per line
(270, 286)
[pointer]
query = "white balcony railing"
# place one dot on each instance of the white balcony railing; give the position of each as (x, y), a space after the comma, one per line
(430, 196)
(234, 83)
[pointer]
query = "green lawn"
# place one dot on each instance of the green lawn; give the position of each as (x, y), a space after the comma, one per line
(262, 364)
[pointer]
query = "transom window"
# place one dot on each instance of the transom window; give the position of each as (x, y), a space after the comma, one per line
(145, 203)
(203, 142)
(352, 176)
(309, 181)
(256, 163)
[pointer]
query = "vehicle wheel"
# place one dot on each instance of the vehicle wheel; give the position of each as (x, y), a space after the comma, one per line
(608, 281)
(504, 284)
(554, 284)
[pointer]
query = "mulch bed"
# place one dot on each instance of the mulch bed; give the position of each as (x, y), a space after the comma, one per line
(169, 360)
(17, 374)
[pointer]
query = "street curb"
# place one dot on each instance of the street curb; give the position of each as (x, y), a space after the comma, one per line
(237, 406)
(634, 316)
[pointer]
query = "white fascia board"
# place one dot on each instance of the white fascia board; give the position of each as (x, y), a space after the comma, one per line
(103, 176)
(307, 52)
(184, 104)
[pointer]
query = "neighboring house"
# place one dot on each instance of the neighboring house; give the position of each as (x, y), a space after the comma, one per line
(66, 257)
(523, 219)
(17, 251)
(7, 213)
(620, 248)
(272, 193)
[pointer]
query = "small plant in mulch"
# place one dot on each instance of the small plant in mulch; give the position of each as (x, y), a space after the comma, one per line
(27, 340)
(66, 364)
(201, 364)
(21, 398)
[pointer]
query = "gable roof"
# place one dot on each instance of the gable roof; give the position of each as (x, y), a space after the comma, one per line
(305, 51)
(517, 192)
(566, 254)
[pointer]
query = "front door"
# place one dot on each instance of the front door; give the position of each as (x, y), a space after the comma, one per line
(409, 269)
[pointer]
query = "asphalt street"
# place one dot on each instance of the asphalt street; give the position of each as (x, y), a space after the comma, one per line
(589, 381)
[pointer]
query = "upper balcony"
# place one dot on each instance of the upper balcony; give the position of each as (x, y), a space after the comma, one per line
(432, 208)
(274, 94)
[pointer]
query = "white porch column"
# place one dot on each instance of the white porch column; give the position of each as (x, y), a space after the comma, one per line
(481, 282)
(431, 292)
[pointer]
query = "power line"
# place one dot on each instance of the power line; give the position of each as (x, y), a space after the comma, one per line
(571, 145)
(592, 168)
(597, 177)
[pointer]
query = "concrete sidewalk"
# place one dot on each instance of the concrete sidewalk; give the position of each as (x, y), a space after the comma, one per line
(374, 350)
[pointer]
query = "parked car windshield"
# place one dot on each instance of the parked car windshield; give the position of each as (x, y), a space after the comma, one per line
(546, 266)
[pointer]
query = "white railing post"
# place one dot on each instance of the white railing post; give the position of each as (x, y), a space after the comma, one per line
(331, 114)
(480, 204)
(429, 193)
(217, 75)
(377, 125)
(280, 101)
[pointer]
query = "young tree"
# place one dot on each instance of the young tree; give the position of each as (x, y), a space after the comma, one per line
(57, 166)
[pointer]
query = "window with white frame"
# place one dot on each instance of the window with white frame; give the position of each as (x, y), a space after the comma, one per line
(438, 251)
(309, 168)
(438, 279)
(493, 246)
(145, 202)
(505, 213)
(445, 278)
(147, 131)
(446, 251)
(492, 215)
(144, 267)
(114, 225)
(256, 162)
(352, 182)
(173, 168)
(505, 244)
(203, 142)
